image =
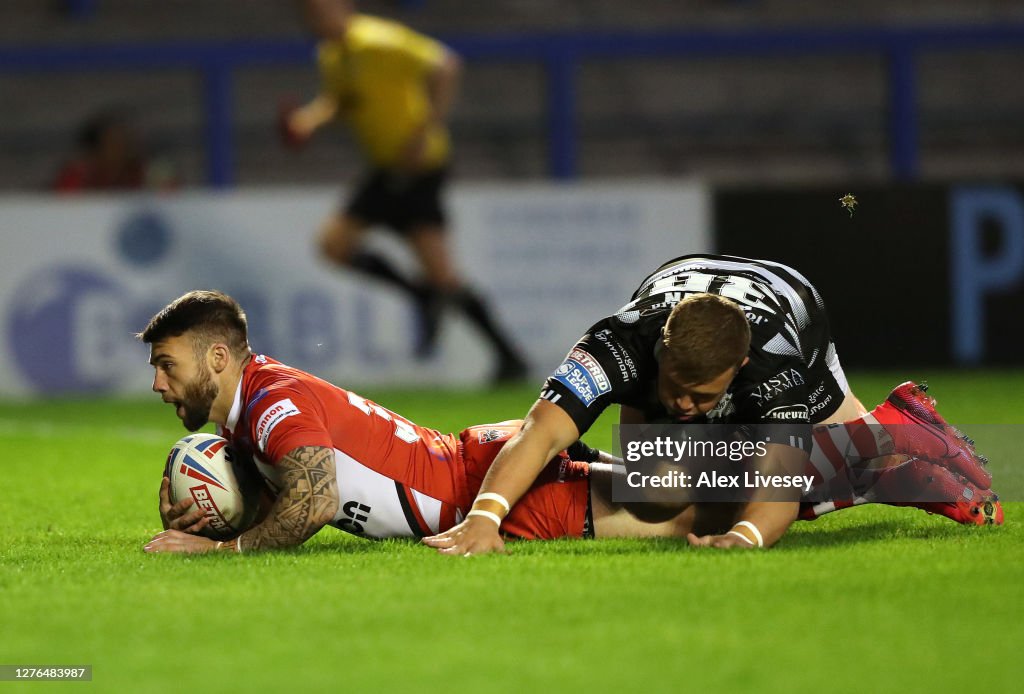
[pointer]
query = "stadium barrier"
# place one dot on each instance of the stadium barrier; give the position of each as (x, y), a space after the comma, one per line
(917, 276)
(78, 277)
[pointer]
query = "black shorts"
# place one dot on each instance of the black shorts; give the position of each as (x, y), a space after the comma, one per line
(400, 201)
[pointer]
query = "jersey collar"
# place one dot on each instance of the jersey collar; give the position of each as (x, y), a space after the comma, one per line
(236, 407)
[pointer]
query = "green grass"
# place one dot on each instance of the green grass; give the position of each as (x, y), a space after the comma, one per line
(872, 599)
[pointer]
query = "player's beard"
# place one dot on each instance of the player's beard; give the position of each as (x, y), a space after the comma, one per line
(197, 400)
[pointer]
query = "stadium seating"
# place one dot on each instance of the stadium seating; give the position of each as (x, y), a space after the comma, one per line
(741, 119)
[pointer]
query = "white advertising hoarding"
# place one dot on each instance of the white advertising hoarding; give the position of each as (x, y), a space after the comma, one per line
(80, 276)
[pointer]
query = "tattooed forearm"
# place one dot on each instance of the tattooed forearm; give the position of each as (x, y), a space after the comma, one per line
(308, 500)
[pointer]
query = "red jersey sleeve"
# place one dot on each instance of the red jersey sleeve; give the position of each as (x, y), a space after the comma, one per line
(286, 417)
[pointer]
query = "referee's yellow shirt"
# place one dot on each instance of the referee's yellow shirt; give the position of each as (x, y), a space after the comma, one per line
(377, 73)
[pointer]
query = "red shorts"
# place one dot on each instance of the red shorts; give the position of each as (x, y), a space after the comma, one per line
(550, 508)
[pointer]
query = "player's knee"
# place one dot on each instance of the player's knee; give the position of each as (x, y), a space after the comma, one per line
(339, 237)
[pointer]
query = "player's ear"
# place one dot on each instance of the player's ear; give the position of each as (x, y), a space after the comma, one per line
(219, 356)
(744, 362)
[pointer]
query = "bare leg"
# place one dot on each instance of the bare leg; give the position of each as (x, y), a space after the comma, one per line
(340, 237)
(430, 243)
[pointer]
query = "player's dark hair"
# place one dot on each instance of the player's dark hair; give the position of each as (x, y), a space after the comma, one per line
(704, 336)
(210, 316)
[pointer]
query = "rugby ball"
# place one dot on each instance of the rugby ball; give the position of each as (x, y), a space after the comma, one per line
(202, 467)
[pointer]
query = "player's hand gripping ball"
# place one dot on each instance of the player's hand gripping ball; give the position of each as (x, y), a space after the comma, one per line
(201, 467)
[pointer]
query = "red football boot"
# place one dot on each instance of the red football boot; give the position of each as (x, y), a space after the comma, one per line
(935, 489)
(917, 429)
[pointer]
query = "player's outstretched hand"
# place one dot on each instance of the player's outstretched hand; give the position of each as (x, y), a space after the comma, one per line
(472, 536)
(181, 543)
(177, 516)
(719, 541)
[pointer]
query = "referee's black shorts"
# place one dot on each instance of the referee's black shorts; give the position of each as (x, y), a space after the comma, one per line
(400, 201)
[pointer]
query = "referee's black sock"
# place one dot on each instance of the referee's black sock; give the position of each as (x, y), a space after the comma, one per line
(427, 299)
(379, 267)
(511, 366)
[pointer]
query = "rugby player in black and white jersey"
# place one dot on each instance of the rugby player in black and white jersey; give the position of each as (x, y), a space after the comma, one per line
(717, 338)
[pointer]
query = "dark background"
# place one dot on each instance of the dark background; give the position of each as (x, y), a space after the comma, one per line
(884, 273)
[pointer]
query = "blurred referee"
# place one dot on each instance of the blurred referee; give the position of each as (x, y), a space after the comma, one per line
(394, 88)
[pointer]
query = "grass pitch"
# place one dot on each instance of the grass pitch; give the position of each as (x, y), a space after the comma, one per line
(871, 599)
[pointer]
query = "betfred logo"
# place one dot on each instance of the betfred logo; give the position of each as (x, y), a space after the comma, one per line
(282, 409)
(583, 375)
(204, 500)
(593, 369)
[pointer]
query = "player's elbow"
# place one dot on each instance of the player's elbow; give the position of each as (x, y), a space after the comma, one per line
(326, 510)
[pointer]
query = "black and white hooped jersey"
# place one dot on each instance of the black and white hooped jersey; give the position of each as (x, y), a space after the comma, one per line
(616, 360)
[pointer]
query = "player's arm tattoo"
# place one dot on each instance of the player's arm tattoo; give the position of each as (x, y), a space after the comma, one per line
(308, 500)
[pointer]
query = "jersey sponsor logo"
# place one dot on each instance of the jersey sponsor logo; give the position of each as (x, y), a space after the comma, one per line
(583, 375)
(775, 386)
(788, 413)
(819, 406)
(818, 403)
(626, 366)
(280, 410)
(490, 435)
(355, 515)
(816, 393)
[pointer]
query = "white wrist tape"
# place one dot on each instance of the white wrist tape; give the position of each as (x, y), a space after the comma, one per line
(752, 528)
(486, 514)
(741, 536)
(491, 496)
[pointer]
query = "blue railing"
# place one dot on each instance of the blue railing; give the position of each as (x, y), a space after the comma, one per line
(561, 54)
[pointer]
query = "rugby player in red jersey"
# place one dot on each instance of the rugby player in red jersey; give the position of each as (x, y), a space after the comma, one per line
(330, 457)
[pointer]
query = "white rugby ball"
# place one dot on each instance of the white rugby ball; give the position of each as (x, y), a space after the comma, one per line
(201, 467)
